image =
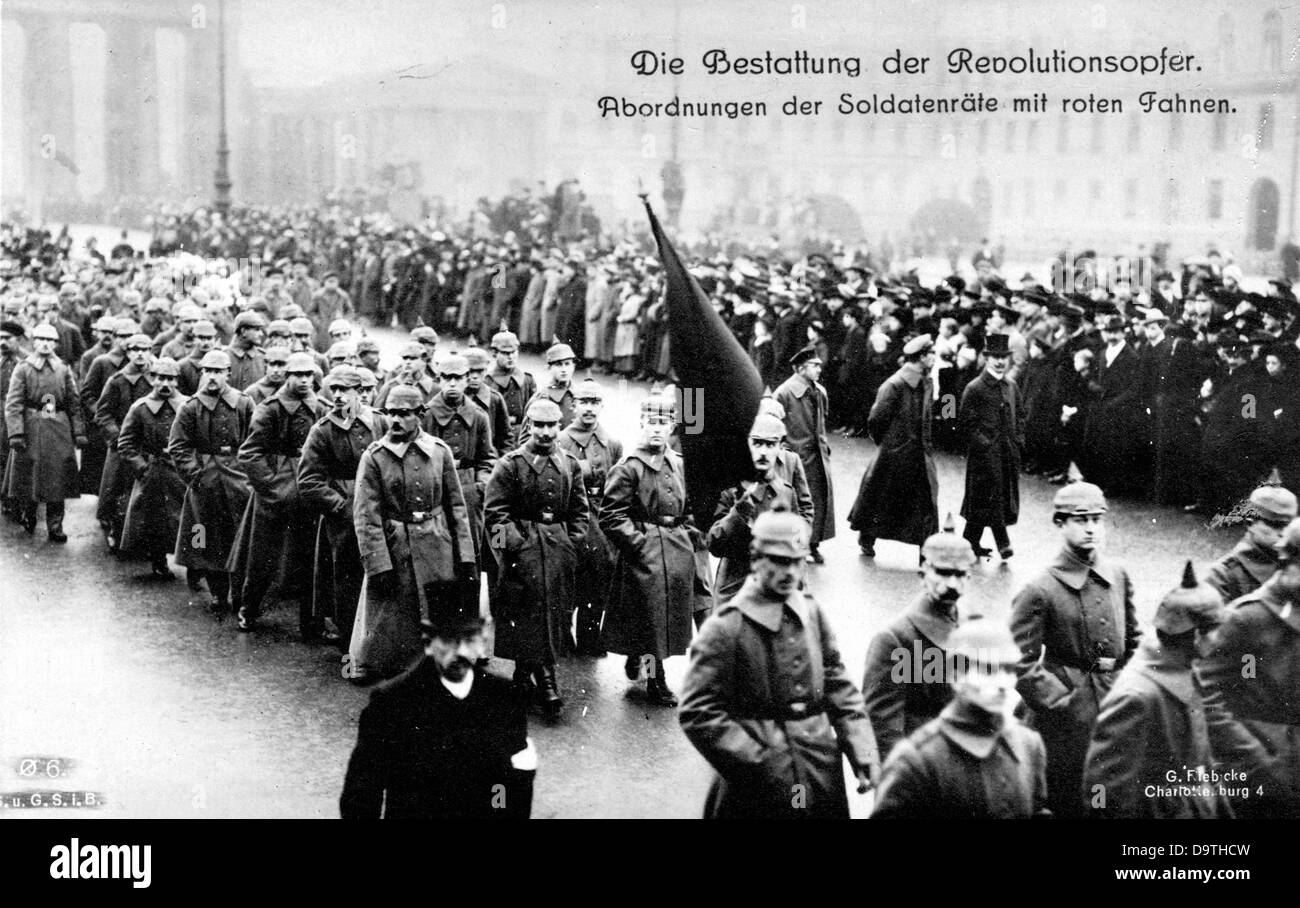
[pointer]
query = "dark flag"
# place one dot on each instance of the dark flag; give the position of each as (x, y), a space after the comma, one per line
(718, 385)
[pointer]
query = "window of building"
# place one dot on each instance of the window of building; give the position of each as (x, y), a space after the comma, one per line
(1214, 203)
(1265, 131)
(1098, 133)
(1135, 132)
(1219, 137)
(1130, 199)
(1063, 134)
(1273, 40)
(1011, 137)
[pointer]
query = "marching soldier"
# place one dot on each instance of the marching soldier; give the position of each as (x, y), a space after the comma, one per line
(93, 380)
(181, 341)
(767, 700)
(124, 388)
(246, 362)
(413, 373)
(730, 535)
(1253, 716)
(1076, 627)
(789, 465)
(326, 481)
(657, 587)
(992, 421)
(276, 538)
(105, 327)
(153, 510)
(560, 362)
(488, 399)
(44, 426)
(535, 519)
(1255, 558)
(204, 446)
(899, 495)
(413, 534)
(277, 360)
(515, 385)
(10, 357)
(597, 452)
(973, 761)
(905, 685)
(191, 367)
(1152, 723)
(804, 401)
(368, 356)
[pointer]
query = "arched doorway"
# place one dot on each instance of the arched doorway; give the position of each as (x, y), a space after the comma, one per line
(1262, 215)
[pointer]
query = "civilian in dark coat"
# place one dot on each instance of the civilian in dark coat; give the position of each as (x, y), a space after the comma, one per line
(442, 741)
(805, 403)
(1234, 455)
(1116, 429)
(1172, 374)
(899, 495)
(992, 420)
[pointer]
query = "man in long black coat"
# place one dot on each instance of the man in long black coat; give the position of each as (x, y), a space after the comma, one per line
(1171, 374)
(443, 741)
(899, 495)
(992, 422)
(1116, 425)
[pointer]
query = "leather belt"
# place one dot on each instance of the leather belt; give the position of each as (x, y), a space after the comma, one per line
(669, 522)
(420, 516)
(224, 449)
(792, 712)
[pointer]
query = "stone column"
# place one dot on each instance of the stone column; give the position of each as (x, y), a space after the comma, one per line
(49, 142)
(200, 102)
(131, 102)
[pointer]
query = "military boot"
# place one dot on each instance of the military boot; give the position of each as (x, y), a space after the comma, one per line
(548, 690)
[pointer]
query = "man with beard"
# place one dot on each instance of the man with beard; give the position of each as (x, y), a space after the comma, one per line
(657, 587)
(535, 519)
(904, 685)
(804, 401)
(1076, 627)
(464, 427)
(44, 427)
(124, 388)
(277, 360)
(10, 332)
(1254, 716)
(766, 699)
(597, 452)
(443, 741)
(992, 421)
(275, 537)
(153, 510)
(487, 398)
(204, 445)
(945, 770)
(413, 534)
(515, 385)
(738, 507)
(1255, 557)
(205, 340)
(326, 481)
(899, 495)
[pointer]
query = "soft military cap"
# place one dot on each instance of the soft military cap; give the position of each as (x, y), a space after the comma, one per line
(165, 365)
(300, 362)
(986, 643)
(45, 332)
(1078, 499)
(588, 389)
(215, 359)
(1274, 504)
(780, 533)
(344, 376)
(543, 410)
(767, 426)
(405, 397)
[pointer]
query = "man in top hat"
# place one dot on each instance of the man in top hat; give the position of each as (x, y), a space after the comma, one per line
(204, 444)
(124, 388)
(767, 489)
(1076, 627)
(156, 490)
(10, 356)
(973, 760)
(488, 398)
(444, 741)
(1249, 676)
(44, 426)
(327, 473)
(246, 362)
(1116, 432)
(535, 519)
(597, 452)
(904, 685)
(560, 362)
(805, 401)
(414, 537)
(463, 425)
(515, 385)
(205, 340)
(1255, 557)
(277, 360)
(658, 586)
(899, 495)
(767, 700)
(275, 539)
(1151, 728)
(992, 422)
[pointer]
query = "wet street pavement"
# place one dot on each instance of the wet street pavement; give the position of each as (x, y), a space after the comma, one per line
(167, 711)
